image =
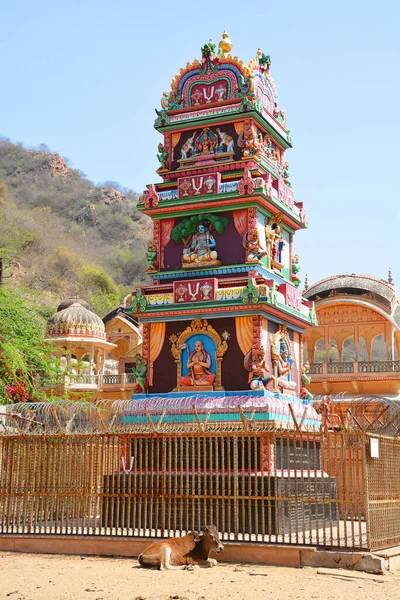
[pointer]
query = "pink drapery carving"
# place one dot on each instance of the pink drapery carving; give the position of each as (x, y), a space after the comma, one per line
(167, 226)
(240, 221)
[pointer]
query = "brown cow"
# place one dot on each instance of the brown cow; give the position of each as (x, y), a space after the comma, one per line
(183, 552)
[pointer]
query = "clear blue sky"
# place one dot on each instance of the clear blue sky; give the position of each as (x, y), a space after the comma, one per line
(84, 78)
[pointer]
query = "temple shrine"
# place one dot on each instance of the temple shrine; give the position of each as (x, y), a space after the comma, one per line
(224, 315)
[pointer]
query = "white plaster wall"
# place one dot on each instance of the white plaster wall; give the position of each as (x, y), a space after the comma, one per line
(261, 230)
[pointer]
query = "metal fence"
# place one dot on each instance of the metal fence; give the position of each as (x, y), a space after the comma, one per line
(139, 469)
(270, 487)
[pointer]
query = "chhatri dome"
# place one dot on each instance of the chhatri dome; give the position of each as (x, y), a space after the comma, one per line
(75, 320)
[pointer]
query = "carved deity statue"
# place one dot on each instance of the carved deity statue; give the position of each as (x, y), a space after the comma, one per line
(274, 238)
(284, 369)
(140, 372)
(206, 143)
(151, 256)
(251, 144)
(163, 156)
(201, 249)
(305, 381)
(286, 174)
(295, 270)
(199, 364)
(259, 370)
(254, 250)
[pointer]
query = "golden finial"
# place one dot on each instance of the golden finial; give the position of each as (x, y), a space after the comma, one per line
(225, 44)
(259, 53)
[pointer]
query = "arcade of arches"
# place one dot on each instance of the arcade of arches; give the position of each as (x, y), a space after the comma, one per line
(354, 348)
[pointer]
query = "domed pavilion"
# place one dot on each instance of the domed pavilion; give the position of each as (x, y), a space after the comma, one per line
(78, 332)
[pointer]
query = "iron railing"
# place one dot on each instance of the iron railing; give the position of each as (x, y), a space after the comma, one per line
(64, 471)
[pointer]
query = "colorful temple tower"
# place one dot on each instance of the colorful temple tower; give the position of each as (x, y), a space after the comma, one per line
(224, 314)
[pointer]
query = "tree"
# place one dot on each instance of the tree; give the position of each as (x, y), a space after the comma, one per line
(27, 361)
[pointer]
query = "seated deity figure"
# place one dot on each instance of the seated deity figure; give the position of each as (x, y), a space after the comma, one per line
(201, 246)
(259, 371)
(284, 368)
(199, 364)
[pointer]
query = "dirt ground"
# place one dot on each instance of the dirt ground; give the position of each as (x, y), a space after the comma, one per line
(55, 577)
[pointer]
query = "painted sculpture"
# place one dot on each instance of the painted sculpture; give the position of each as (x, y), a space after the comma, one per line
(284, 371)
(295, 270)
(199, 244)
(207, 142)
(250, 143)
(140, 372)
(199, 363)
(259, 371)
(305, 381)
(274, 239)
(286, 174)
(282, 360)
(151, 257)
(201, 249)
(254, 250)
(198, 352)
(163, 156)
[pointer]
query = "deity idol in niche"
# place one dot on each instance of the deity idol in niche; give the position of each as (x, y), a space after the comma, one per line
(199, 364)
(260, 377)
(201, 246)
(206, 142)
(274, 238)
(284, 370)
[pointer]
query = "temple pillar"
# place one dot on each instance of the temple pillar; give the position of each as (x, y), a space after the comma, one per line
(91, 360)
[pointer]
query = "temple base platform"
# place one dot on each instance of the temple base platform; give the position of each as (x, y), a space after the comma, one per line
(224, 406)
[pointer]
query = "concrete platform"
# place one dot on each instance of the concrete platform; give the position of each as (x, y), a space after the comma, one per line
(276, 555)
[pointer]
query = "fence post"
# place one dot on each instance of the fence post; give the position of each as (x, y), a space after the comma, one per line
(364, 440)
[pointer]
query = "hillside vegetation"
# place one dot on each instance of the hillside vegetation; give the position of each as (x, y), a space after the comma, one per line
(63, 235)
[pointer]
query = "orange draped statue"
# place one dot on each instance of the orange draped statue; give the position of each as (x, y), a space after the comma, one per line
(199, 363)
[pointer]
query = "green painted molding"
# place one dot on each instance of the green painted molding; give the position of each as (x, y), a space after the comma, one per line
(229, 116)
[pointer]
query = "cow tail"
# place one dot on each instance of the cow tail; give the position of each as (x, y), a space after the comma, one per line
(140, 560)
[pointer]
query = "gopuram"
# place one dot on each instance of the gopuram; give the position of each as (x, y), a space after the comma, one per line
(224, 318)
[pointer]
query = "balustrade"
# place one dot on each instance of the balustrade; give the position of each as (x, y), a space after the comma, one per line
(363, 366)
(378, 366)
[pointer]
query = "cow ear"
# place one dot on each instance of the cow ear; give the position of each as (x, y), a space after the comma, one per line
(199, 536)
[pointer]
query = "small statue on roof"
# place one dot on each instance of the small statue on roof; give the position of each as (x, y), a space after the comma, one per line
(209, 58)
(264, 60)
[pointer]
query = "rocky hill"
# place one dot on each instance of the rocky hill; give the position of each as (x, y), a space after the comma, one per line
(63, 235)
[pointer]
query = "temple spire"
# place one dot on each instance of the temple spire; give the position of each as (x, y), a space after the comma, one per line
(390, 276)
(306, 282)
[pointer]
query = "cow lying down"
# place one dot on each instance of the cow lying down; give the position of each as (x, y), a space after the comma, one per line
(183, 552)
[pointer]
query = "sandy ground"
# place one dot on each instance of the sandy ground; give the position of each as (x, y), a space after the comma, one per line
(54, 577)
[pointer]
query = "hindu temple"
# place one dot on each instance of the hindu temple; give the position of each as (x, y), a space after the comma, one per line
(224, 315)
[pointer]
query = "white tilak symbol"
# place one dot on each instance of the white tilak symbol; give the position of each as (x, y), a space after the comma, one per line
(208, 97)
(123, 464)
(196, 291)
(196, 188)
